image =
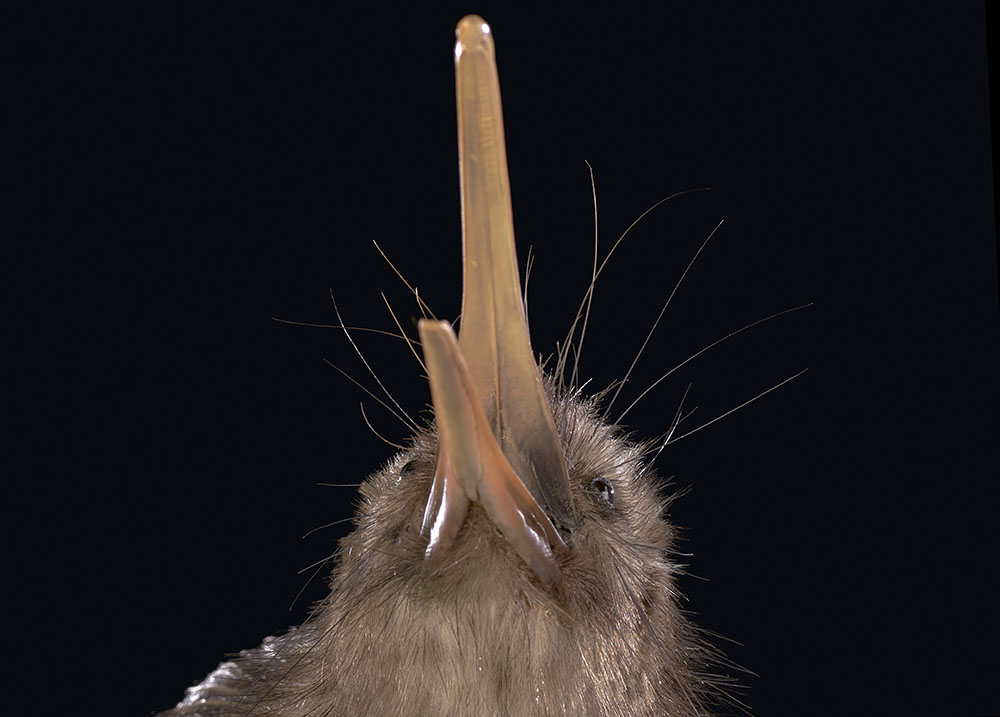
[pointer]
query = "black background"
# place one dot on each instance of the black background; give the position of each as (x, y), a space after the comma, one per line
(204, 168)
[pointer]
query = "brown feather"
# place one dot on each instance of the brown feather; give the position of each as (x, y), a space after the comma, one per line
(497, 612)
(477, 634)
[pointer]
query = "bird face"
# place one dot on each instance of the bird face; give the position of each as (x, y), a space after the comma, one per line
(476, 630)
(515, 558)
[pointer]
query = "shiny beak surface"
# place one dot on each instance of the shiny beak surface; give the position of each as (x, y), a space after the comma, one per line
(498, 442)
(471, 466)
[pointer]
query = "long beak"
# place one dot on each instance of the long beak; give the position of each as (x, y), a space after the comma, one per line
(498, 442)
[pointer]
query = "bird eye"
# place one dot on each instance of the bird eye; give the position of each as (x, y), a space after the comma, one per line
(604, 490)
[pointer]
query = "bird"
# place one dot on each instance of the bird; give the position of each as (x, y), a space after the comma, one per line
(515, 557)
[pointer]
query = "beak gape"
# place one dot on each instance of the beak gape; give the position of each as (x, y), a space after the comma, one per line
(498, 442)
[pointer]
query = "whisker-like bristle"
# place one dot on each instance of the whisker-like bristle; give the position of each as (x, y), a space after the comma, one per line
(424, 308)
(656, 323)
(411, 422)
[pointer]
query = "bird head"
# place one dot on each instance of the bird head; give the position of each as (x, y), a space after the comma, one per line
(516, 558)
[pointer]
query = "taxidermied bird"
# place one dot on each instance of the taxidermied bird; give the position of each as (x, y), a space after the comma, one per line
(515, 558)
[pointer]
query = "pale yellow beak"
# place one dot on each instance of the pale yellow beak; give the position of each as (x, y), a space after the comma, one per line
(498, 442)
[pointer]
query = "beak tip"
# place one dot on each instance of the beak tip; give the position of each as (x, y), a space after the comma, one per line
(471, 31)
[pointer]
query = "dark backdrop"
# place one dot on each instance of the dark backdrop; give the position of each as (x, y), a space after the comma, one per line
(204, 168)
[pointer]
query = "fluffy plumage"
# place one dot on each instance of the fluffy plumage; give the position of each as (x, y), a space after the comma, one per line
(536, 579)
(478, 634)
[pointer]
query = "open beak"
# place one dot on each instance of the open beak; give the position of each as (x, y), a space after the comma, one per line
(497, 441)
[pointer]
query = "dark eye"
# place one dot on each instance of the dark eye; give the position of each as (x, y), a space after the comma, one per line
(604, 491)
(407, 469)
